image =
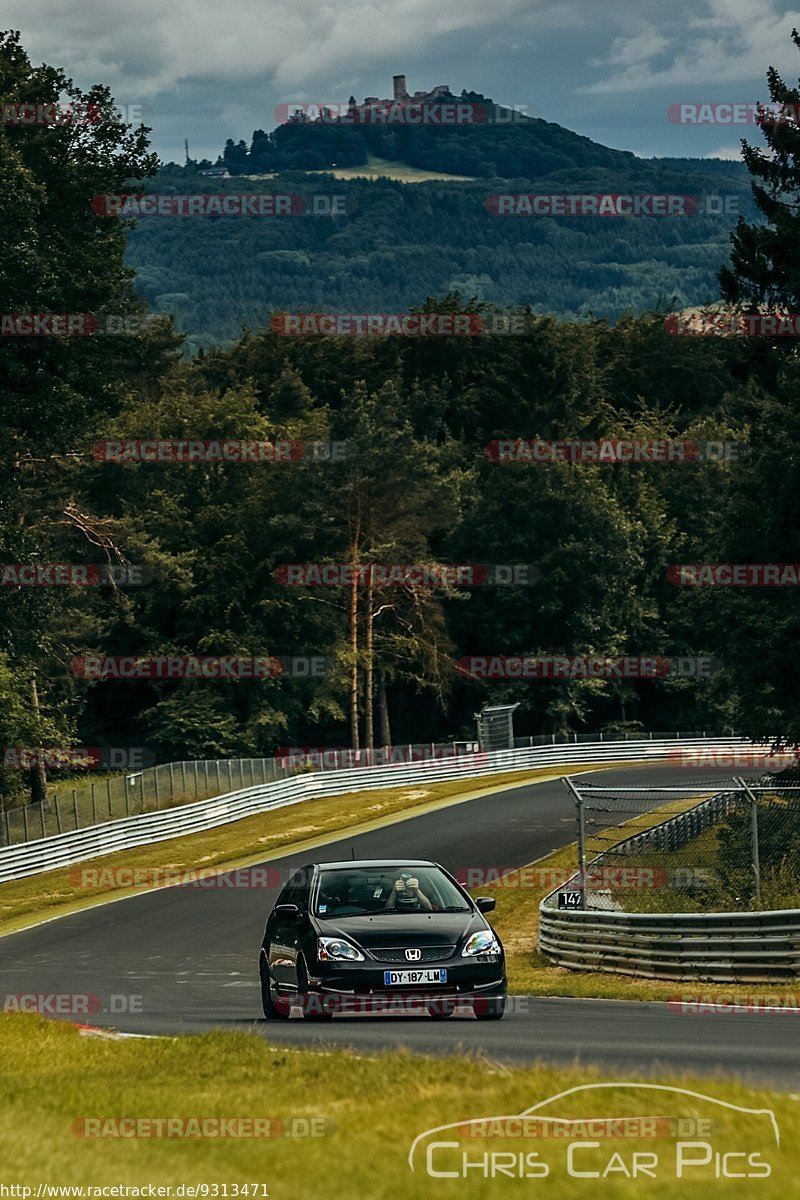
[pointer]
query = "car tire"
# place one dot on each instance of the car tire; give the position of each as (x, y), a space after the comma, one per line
(271, 1011)
(312, 1004)
(490, 1008)
(441, 1010)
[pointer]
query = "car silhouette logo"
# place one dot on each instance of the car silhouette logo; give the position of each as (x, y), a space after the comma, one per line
(413, 955)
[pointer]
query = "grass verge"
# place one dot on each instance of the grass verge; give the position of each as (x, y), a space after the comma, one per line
(53, 1079)
(249, 841)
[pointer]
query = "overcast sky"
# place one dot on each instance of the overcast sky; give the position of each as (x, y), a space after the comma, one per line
(609, 69)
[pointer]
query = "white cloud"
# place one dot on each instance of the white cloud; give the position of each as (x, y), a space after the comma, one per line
(729, 153)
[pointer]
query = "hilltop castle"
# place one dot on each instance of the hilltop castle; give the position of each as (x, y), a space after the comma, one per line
(401, 95)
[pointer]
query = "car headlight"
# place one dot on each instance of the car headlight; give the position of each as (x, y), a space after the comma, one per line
(337, 950)
(483, 942)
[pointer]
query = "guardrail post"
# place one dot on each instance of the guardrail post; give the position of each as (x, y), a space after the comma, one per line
(108, 795)
(25, 821)
(75, 808)
(94, 806)
(219, 778)
(567, 781)
(171, 783)
(58, 813)
(754, 854)
(230, 776)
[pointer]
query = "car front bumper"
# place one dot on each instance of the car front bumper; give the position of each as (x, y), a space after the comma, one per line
(362, 987)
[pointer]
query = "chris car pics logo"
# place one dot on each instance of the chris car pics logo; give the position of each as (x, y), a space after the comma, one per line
(608, 1131)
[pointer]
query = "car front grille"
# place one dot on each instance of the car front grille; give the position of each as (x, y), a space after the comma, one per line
(395, 954)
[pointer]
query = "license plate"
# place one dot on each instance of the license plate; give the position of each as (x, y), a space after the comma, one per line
(424, 975)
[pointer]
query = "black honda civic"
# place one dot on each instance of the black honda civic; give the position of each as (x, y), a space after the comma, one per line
(380, 936)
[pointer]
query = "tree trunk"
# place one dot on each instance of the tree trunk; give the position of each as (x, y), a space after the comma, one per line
(383, 710)
(354, 738)
(38, 775)
(369, 735)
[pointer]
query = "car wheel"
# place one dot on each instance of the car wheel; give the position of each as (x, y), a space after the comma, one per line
(440, 1010)
(312, 1004)
(490, 1008)
(272, 1012)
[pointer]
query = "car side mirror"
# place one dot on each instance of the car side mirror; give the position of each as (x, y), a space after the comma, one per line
(286, 910)
(485, 903)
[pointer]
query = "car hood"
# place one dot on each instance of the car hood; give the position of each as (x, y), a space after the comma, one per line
(406, 929)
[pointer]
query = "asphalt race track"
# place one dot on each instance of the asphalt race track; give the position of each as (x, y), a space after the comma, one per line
(184, 959)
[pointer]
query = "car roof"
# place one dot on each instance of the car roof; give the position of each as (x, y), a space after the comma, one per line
(377, 862)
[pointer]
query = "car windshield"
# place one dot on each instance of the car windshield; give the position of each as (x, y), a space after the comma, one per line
(393, 890)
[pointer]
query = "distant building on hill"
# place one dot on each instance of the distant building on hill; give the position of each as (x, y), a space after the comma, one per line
(401, 95)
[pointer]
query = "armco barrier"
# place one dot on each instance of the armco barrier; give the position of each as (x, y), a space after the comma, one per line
(718, 947)
(45, 854)
(726, 947)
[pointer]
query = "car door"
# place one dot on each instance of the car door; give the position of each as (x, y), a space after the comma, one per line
(285, 930)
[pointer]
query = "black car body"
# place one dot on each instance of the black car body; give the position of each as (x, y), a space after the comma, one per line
(380, 934)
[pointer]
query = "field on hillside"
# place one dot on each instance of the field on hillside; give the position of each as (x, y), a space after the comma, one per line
(374, 168)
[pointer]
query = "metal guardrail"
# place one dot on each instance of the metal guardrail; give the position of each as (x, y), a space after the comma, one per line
(714, 947)
(79, 802)
(46, 854)
(724, 947)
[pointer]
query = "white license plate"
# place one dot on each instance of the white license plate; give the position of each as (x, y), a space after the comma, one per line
(423, 975)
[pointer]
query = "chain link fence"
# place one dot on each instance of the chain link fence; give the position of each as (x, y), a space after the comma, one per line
(686, 849)
(78, 804)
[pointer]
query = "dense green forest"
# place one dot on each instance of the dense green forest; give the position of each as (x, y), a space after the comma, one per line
(396, 243)
(416, 485)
